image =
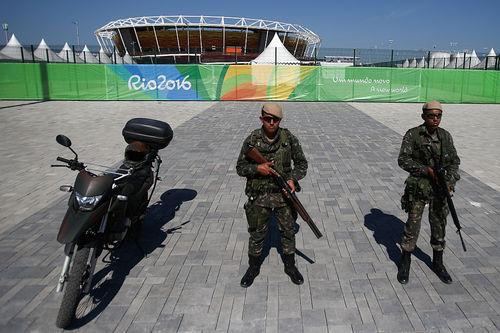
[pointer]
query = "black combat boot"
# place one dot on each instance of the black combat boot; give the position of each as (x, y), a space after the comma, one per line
(438, 267)
(252, 271)
(291, 270)
(404, 267)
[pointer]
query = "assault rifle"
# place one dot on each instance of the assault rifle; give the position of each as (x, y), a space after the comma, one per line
(440, 172)
(257, 157)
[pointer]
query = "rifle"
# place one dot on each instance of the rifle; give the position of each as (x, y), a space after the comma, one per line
(257, 157)
(440, 173)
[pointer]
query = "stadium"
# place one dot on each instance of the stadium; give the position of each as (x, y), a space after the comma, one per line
(202, 39)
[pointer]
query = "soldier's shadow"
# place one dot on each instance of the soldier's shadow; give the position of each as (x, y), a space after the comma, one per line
(273, 240)
(387, 230)
(121, 262)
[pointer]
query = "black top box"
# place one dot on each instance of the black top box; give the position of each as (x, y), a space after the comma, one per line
(157, 134)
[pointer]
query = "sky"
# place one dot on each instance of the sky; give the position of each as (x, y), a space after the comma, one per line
(405, 25)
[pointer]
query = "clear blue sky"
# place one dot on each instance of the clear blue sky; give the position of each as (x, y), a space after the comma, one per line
(339, 23)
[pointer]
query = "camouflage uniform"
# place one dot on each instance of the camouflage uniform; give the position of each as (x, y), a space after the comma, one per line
(264, 195)
(415, 156)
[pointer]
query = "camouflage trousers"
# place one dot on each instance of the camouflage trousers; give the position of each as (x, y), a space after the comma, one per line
(257, 218)
(438, 210)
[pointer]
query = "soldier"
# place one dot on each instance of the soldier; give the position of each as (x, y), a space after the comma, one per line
(280, 148)
(422, 147)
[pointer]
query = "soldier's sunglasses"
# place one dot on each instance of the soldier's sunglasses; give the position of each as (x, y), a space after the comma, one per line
(432, 115)
(268, 119)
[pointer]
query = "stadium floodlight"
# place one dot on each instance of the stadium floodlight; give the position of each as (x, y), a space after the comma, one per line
(75, 22)
(5, 27)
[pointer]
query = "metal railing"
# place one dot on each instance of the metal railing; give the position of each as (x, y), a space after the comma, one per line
(343, 57)
(410, 58)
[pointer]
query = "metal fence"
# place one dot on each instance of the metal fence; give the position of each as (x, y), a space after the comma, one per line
(409, 58)
(342, 57)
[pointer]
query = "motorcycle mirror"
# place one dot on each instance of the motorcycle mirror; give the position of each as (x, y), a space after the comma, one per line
(63, 140)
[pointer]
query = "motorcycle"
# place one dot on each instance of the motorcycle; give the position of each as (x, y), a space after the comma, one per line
(99, 215)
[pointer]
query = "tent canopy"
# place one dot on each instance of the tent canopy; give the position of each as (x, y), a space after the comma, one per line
(43, 51)
(15, 50)
(276, 52)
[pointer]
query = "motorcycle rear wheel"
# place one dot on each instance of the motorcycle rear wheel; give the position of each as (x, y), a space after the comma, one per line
(73, 288)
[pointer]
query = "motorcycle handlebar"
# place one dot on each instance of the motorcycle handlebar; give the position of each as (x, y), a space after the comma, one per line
(72, 164)
(62, 159)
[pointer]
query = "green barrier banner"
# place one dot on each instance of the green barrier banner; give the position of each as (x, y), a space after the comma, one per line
(42, 81)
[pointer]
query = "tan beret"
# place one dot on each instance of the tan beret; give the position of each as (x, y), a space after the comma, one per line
(273, 109)
(432, 105)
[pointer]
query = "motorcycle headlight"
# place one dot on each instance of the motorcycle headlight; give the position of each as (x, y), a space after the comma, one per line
(87, 203)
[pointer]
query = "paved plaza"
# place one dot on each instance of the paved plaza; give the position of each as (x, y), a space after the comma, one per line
(195, 233)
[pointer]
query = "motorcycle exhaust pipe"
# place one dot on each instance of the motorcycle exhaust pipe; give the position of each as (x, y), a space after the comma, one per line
(64, 274)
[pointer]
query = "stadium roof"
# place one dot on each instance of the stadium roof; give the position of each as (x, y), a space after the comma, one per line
(206, 21)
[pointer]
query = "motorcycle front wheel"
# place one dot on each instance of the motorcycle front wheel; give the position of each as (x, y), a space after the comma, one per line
(73, 288)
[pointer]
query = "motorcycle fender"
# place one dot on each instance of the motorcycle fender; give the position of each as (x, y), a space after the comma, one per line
(68, 249)
(76, 222)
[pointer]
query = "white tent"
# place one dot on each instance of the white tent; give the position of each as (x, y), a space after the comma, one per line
(87, 56)
(67, 54)
(127, 58)
(457, 61)
(406, 63)
(103, 57)
(43, 52)
(275, 52)
(118, 59)
(439, 59)
(472, 60)
(413, 63)
(422, 63)
(15, 50)
(6, 58)
(490, 58)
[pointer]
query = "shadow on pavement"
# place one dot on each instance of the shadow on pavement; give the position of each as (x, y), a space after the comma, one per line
(21, 104)
(273, 240)
(123, 259)
(387, 230)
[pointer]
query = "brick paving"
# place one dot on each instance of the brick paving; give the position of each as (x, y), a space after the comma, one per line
(196, 241)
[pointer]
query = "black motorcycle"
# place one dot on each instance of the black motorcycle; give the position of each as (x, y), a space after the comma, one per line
(104, 206)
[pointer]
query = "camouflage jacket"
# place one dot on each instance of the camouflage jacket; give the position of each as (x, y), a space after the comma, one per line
(263, 190)
(416, 155)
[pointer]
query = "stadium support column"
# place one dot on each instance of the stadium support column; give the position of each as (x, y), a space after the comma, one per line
(201, 41)
(123, 42)
(246, 38)
(223, 40)
(178, 42)
(156, 38)
(296, 44)
(138, 41)
(188, 51)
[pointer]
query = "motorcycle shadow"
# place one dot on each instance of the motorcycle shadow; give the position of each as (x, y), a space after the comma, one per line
(121, 262)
